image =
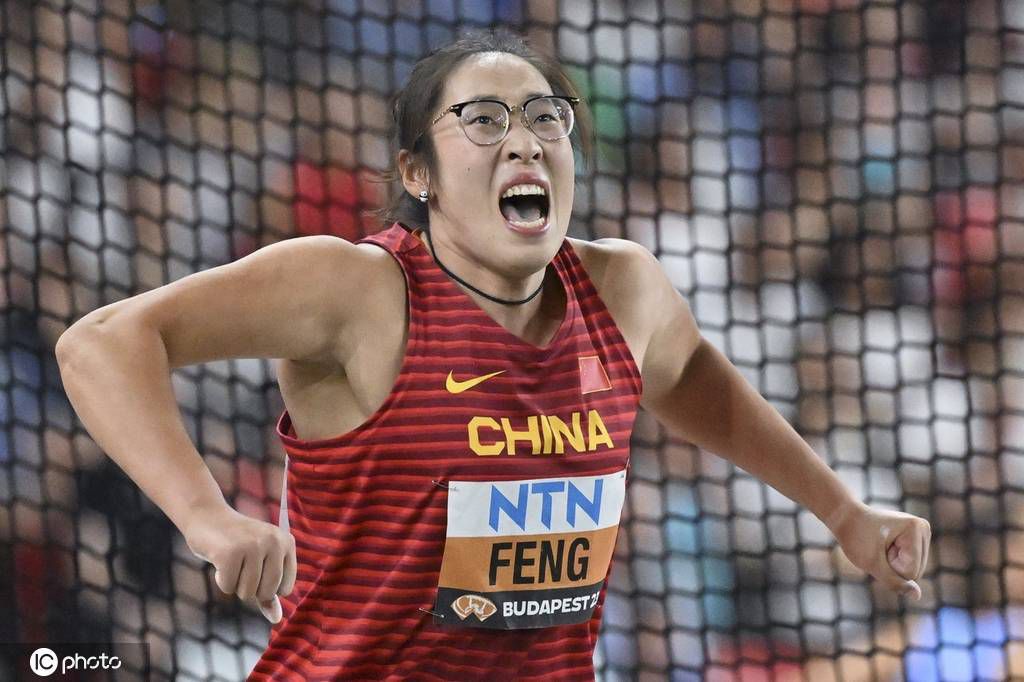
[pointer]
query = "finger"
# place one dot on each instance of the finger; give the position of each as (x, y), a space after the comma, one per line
(915, 546)
(922, 552)
(904, 554)
(288, 574)
(900, 560)
(270, 580)
(896, 582)
(271, 609)
(927, 538)
(884, 572)
(249, 579)
(904, 557)
(226, 575)
(906, 588)
(893, 580)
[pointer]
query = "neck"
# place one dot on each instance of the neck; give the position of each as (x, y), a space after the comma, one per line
(509, 301)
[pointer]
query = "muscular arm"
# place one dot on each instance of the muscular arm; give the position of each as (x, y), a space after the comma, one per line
(115, 362)
(695, 392)
(281, 301)
(713, 406)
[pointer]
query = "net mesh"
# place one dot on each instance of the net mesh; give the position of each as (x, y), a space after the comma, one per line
(837, 187)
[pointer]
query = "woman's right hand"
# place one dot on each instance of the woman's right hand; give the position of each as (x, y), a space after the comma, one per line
(251, 558)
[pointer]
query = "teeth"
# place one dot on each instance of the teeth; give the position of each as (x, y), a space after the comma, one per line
(536, 224)
(518, 190)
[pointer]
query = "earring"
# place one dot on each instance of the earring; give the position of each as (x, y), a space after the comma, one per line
(424, 196)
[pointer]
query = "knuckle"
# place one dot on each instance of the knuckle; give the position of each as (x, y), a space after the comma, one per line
(236, 547)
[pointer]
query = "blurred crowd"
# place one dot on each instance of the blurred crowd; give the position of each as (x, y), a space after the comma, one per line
(836, 186)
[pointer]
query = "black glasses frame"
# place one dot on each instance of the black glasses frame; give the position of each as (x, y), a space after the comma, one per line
(457, 110)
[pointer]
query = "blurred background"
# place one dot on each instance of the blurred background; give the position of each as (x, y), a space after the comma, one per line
(836, 186)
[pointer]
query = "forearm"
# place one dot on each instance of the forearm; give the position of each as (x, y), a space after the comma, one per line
(118, 380)
(715, 408)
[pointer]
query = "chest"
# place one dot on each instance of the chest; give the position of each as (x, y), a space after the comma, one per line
(430, 356)
(474, 391)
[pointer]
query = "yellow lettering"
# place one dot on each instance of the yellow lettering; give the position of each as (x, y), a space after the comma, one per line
(545, 428)
(575, 436)
(531, 434)
(598, 434)
(546, 434)
(484, 449)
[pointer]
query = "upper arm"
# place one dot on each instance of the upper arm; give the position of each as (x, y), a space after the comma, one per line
(674, 338)
(670, 329)
(286, 300)
(652, 316)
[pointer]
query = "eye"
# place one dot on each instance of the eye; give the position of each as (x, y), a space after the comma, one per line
(483, 116)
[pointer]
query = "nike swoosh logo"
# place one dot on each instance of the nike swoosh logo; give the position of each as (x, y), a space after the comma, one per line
(454, 386)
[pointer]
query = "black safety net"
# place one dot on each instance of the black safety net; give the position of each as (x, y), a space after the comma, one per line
(835, 186)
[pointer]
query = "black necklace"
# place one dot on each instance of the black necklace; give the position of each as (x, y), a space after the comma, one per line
(503, 301)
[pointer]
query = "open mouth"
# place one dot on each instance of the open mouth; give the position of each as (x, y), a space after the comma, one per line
(525, 207)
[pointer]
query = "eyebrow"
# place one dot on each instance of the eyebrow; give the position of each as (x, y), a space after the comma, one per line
(528, 96)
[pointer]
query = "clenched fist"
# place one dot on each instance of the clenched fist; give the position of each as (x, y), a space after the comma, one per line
(251, 558)
(891, 546)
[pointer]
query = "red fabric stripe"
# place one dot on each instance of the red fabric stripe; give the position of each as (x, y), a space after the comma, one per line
(369, 516)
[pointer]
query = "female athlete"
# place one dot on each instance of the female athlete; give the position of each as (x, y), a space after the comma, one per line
(460, 392)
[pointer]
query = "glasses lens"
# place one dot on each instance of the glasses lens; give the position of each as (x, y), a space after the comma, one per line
(484, 122)
(551, 118)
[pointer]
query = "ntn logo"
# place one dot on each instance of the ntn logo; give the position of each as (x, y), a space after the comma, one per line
(569, 496)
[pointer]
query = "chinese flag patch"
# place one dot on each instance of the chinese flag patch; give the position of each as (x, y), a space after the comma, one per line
(593, 378)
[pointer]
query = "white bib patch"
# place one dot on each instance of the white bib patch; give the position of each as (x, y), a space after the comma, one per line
(528, 553)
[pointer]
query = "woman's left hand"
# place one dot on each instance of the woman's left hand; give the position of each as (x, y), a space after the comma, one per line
(891, 546)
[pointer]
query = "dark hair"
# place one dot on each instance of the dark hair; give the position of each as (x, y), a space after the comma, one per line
(415, 105)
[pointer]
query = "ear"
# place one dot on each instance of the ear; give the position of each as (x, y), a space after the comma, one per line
(414, 177)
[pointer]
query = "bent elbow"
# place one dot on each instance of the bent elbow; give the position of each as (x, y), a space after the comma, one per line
(71, 348)
(79, 336)
(67, 342)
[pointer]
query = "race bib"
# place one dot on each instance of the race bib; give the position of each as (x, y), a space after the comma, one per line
(530, 553)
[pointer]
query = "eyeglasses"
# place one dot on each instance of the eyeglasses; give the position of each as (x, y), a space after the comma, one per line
(486, 121)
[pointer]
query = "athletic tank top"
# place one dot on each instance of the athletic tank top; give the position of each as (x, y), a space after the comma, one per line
(464, 531)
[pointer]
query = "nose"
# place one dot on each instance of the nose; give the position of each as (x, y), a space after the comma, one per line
(521, 143)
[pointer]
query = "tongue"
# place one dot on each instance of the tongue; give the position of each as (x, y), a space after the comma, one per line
(520, 211)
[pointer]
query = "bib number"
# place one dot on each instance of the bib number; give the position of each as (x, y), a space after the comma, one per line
(528, 553)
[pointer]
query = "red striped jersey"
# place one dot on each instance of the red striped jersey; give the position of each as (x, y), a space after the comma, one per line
(464, 530)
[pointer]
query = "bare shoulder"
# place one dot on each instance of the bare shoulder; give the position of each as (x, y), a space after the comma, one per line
(290, 299)
(319, 278)
(346, 274)
(345, 289)
(652, 316)
(324, 258)
(615, 261)
(631, 283)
